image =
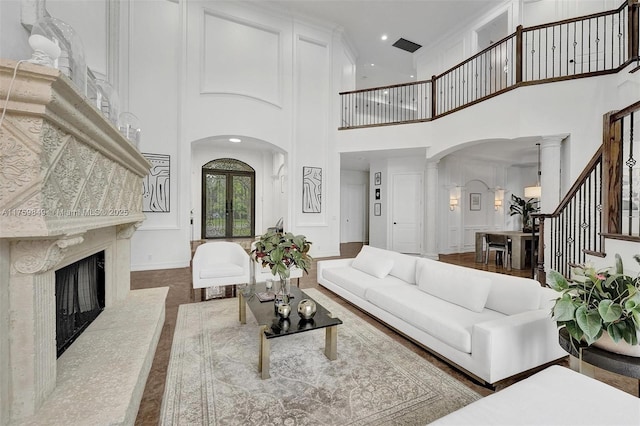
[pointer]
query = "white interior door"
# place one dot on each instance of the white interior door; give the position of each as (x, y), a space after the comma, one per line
(353, 213)
(407, 212)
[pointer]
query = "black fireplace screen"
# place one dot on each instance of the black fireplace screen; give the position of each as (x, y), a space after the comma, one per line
(79, 298)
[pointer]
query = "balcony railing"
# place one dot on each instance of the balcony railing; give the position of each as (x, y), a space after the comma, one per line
(587, 46)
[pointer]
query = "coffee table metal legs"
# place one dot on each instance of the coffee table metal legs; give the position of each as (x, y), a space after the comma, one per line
(330, 348)
(242, 309)
(265, 351)
(331, 342)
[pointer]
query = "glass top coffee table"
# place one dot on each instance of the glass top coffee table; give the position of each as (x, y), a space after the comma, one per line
(273, 325)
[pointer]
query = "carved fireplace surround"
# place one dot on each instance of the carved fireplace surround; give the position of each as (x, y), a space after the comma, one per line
(70, 186)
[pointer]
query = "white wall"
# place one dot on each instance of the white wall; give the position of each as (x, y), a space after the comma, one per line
(13, 36)
(546, 11)
(88, 19)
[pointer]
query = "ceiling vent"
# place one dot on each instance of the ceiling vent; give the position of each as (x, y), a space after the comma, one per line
(407, 45)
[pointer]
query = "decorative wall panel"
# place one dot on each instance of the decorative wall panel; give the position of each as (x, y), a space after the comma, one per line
(240, 58)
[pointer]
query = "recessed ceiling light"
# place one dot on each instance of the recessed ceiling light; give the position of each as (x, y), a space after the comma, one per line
(235, 140)
(373, 65)
(383, 37)
(411, 76)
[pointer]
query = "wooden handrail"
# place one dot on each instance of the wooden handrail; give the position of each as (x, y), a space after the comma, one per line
(391, 86)
(579, 18)
(597, 157)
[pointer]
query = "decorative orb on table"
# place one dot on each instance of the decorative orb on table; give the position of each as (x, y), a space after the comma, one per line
(284, 309)
(307, 308)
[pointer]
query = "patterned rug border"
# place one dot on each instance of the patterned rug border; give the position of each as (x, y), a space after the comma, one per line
(213, 378)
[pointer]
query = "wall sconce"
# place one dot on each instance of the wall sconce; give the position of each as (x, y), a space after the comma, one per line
(453, 203)
(498, 198)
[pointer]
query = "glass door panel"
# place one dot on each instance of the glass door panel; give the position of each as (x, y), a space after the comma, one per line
(214, 215)
(242, 197)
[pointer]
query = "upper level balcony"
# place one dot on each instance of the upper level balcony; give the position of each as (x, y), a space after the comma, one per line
(587, 46)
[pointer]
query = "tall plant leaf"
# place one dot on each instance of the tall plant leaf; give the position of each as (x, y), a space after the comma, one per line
(564, 308)
(557, 281)
(609, 311)
(589, 322)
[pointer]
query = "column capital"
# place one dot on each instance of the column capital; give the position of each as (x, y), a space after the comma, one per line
(553, 141)
(432, 164)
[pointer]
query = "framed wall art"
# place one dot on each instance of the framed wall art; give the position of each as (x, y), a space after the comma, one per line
(475, 200)
(377, 193)
(311, 189)
(377, 179)
(156, 185)
(377, 209)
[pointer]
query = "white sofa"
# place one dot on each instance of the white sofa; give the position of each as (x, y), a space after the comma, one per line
(490, 325)
(555, 396)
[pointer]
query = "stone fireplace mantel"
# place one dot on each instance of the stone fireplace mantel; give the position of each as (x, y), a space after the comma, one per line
(70, 186)
(66, 169)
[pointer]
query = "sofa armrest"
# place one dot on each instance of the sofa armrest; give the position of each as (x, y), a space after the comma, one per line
(516, 343)
(333, 263)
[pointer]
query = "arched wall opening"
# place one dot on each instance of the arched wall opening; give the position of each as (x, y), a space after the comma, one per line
(269, 164)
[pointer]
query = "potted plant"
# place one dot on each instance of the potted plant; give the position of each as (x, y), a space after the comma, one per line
(525, 208)
(599, 306)
(281, 252)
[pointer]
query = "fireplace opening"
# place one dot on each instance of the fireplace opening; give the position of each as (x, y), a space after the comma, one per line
(79, 298)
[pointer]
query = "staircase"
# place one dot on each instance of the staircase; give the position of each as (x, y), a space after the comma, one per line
(603, 203)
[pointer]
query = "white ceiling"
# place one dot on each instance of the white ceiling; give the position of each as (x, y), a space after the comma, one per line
(365, 21)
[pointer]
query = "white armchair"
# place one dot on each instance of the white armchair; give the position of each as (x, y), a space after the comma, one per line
(220, 263)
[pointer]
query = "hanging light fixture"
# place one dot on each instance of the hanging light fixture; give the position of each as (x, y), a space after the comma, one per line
(534, 191)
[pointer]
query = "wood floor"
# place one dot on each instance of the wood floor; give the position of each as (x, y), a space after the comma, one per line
(179, 283)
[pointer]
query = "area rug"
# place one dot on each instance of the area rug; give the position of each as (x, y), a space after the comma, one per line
(213, 376)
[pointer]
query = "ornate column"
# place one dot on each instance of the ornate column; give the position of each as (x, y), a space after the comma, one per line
(550, 176)
(431, 211)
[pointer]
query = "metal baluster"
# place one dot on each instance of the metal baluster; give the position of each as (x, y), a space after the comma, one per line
(630, 163)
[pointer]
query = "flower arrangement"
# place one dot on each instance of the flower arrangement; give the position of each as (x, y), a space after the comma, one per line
(282, 251)
(598, 301)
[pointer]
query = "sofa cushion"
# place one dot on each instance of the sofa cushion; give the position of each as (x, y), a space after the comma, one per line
(461, 287)
(513, 295)
(404, 265)
(355, 281)
(373, 264)
(450, 323)
(219, 270)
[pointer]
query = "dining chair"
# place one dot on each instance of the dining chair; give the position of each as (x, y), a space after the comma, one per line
(501, 244)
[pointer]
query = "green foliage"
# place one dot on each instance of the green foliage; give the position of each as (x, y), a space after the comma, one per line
(598, 301)
(523, 207)
(280, 252)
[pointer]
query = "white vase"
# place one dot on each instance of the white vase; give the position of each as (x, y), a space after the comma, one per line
(622, 347)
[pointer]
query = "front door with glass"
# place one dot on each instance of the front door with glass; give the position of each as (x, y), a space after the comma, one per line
(228, 193)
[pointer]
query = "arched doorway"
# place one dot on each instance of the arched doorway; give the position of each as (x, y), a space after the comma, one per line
(228, 199)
